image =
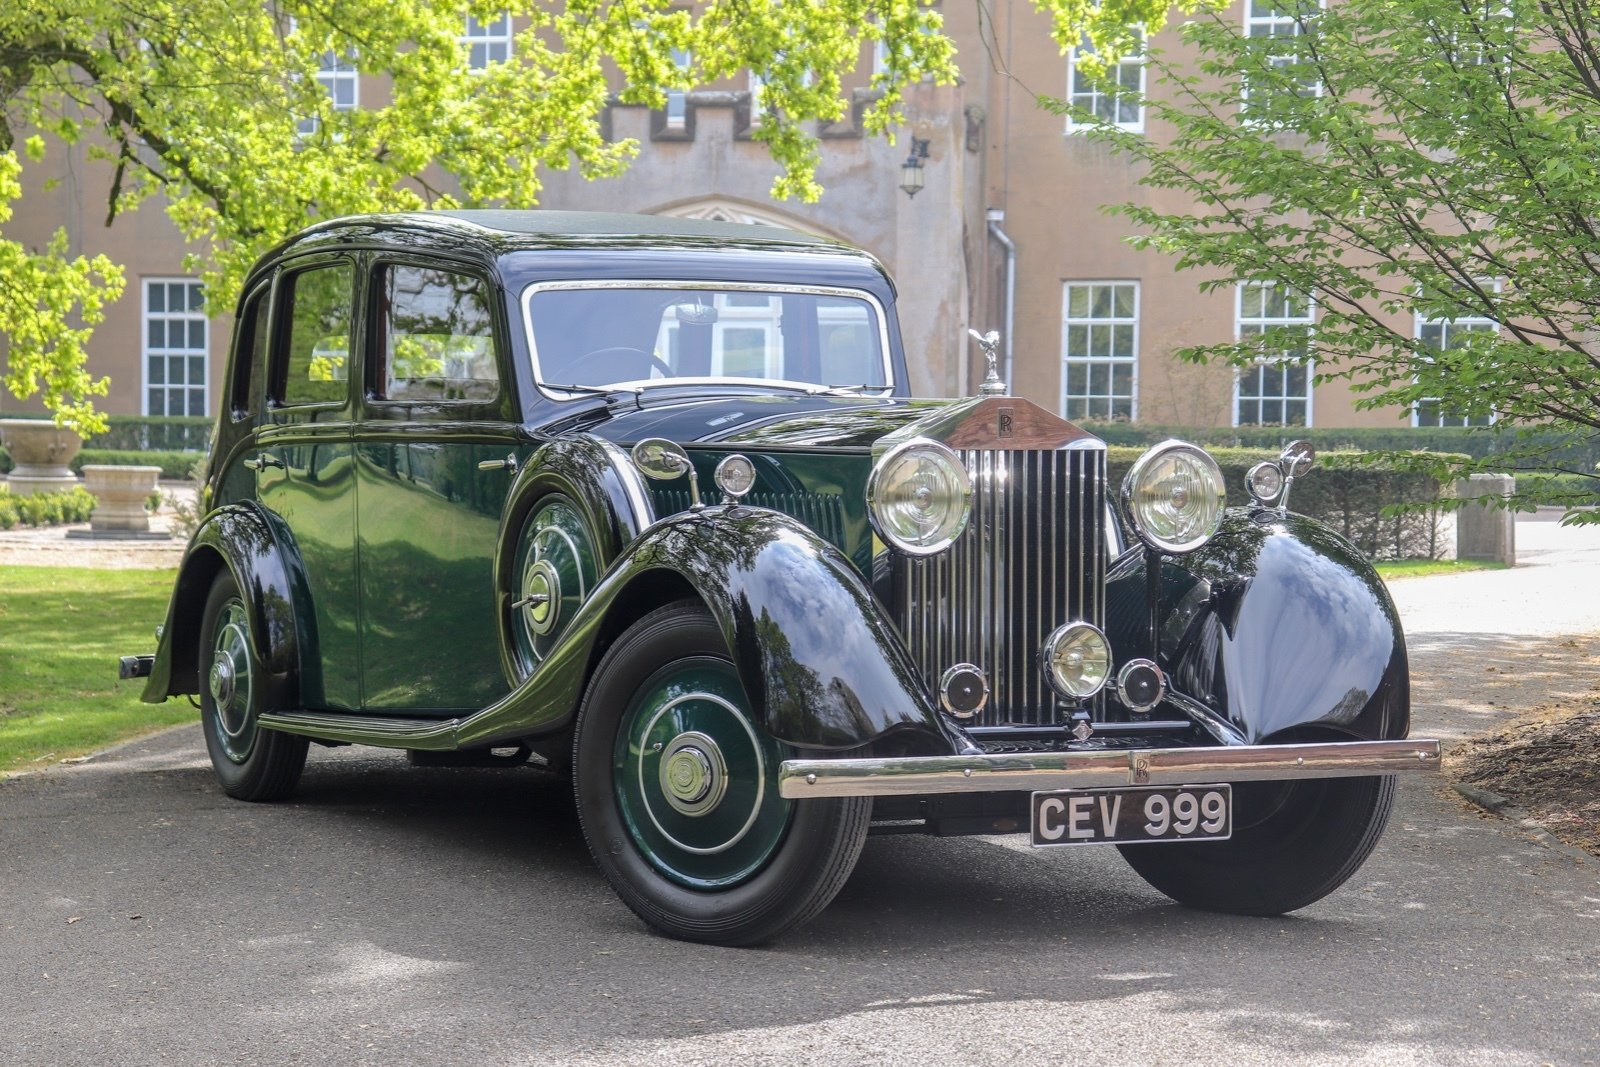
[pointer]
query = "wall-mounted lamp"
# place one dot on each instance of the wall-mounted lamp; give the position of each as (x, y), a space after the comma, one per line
(911, 169)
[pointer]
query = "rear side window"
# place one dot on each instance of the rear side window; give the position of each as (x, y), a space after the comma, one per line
(316, 356)
(251, 358)
(437, 337)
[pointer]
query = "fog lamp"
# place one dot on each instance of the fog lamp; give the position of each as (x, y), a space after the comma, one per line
(1077, 660)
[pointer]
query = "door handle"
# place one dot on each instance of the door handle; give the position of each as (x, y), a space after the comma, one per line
(507, 464)
(266, 459)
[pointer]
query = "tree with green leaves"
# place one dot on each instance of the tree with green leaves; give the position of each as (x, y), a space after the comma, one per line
(216, 105)
(1428, 162)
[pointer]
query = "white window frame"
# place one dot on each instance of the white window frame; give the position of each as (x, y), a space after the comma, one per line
(757, 85)
(676, 111)
(1090, 321)
(342, 69)
(488, 34)
(1470, 323)
(1095, 94)
(1265, 322)
(146, 353)
(1273, 23)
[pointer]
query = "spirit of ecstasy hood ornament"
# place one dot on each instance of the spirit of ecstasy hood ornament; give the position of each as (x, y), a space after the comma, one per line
(990, 343)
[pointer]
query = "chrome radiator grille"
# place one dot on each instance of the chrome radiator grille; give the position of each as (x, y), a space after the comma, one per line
(1032, 558)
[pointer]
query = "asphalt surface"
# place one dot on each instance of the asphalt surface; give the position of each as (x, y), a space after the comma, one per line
(394, 915)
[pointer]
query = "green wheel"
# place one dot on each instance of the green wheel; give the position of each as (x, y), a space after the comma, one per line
(677, 792)
(555, 569)
(250, 763)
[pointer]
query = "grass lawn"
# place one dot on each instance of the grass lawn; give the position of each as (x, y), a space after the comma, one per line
(1417, 568)
(61, 631)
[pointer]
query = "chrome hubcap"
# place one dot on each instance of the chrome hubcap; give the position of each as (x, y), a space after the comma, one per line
(541, 590)
(693, 774)
(222, 681)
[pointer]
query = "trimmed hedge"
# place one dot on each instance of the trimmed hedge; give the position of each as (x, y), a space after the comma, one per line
(141, 433)
(45, 509)
(1347, 495)
(1566, 450)
(175, 466)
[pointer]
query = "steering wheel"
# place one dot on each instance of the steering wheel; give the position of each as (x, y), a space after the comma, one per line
(638, 356)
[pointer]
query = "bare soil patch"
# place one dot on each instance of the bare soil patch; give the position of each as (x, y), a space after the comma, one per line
(1546, 762)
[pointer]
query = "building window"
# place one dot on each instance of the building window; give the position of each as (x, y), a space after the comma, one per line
(1099, 350)
(758, 86)
(338, 75)
(175, 340)
(487, 42)
(1445, 335)
(678, 99)
(1116, 98)
(1277, 390)
(1277, 25)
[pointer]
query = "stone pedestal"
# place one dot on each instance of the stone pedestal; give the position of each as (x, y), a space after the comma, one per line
(1484, 531)
(40, 452)
(120, 493)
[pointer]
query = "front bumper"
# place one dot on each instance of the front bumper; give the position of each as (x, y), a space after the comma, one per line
(920, 775)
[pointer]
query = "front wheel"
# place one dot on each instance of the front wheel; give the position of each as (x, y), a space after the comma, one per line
(1293, 843)
(677, 793)
(251, 763)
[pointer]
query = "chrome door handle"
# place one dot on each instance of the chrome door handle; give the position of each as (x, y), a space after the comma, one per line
(507, 464)
(266, 459)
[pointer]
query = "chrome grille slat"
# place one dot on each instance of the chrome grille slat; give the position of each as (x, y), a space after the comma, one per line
(1032, 558)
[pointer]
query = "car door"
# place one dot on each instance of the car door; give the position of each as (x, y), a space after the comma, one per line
(304, 468)
(436, 404)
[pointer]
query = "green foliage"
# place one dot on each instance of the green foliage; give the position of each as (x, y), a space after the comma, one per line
(133, 433)
(216, 105)
(1387, 510)
(174, 465)
(1444, 169)
(45, 509)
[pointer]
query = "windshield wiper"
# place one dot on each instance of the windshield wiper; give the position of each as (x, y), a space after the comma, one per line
(844, 390)
(601, 390)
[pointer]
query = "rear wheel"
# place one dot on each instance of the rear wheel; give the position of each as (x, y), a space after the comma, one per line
(677, 793)
(251, 763)
(1293, 843)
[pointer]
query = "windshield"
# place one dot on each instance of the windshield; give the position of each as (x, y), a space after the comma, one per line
(647, 333)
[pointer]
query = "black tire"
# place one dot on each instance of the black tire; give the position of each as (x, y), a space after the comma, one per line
(251, 763)
(797, 854)
(1293, 843)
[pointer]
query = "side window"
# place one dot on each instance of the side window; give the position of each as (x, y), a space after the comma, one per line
(251, 358)
(437, 337)
(316, 355)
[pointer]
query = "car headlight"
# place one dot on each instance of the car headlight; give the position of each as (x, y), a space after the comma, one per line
(919, 496)
(1175, 496)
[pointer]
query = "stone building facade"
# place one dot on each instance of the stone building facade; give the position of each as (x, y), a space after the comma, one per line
(1008, 230)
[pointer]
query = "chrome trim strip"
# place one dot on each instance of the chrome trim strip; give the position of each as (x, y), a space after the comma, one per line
(924, 775)
(526, 300)
(435, 735)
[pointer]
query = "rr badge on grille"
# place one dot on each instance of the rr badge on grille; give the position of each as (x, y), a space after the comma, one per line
(1005, 423)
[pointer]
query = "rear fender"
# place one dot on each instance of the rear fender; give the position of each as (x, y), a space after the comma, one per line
(1279, 624)
(248, 541)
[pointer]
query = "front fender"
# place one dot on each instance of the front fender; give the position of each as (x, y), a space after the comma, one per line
(1278, 624)
(821, 666)
(242, 538)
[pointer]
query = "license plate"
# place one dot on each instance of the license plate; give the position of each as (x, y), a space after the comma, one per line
(1130, 816)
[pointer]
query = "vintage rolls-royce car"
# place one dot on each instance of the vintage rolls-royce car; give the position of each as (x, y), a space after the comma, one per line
(649, 500)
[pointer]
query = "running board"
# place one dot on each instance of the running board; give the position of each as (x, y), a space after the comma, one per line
(431, 735)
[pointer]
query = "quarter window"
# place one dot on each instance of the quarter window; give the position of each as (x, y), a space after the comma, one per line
(175, 346)
(1277, 390)
(438, 338)
(1100, 349)
(316, 367)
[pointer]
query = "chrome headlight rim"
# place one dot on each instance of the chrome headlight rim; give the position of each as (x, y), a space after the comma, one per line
(945, 455)
(1059, 636)
(1142, 466)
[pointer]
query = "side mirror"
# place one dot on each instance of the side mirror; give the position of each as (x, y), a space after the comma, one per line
(664, 460)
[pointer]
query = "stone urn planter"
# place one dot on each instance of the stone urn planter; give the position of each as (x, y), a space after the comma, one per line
(120, 493)
(40, 452)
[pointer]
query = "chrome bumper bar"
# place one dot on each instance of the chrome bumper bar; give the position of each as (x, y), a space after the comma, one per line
(917, 775)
